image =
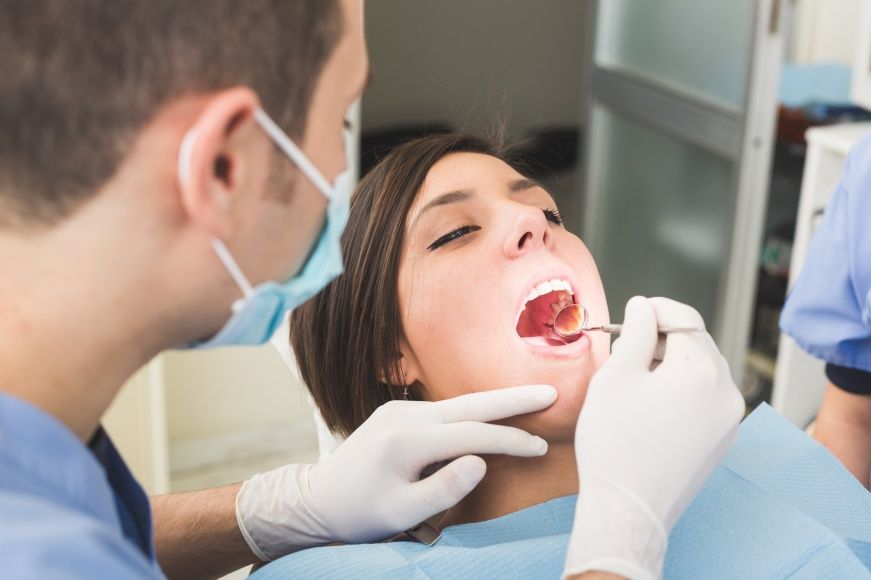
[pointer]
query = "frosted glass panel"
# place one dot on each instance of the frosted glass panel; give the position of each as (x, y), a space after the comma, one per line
(697, 46)
(664, 216)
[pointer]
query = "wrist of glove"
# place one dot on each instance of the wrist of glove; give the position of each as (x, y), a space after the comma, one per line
(275, 515)
(615, 531)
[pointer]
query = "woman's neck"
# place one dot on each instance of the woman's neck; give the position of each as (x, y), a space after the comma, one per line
(515, 483)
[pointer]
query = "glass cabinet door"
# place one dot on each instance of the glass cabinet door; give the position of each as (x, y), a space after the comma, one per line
(680, 124)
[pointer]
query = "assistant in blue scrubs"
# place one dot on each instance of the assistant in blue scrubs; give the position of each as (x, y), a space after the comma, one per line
(828, 311)
(69, 509)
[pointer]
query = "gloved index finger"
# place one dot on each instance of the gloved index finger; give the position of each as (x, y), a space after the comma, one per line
(495, 405)
(444, 442)
(638, 337)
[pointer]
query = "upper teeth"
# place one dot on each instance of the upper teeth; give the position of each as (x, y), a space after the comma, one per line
(554, 285)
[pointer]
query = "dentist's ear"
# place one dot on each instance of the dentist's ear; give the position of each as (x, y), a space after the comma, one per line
(210, 161)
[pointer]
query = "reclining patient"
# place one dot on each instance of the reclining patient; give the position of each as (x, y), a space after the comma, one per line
(455, 265)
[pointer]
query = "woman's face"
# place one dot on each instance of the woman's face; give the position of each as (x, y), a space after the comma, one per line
(479, 238)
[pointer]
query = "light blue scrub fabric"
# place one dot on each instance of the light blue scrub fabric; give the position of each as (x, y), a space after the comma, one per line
(828, 311)
(67, 511)
(778, 506)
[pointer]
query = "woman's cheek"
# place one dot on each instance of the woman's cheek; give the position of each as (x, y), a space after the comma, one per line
(424, 310)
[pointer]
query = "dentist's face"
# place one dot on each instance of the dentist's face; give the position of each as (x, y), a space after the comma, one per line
(479, 239)
(275, 223)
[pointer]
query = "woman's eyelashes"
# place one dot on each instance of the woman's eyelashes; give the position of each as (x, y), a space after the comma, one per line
(451, 236)
(552, 215)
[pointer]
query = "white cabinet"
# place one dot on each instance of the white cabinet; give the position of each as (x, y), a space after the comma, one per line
(799, 379)
(136, 421)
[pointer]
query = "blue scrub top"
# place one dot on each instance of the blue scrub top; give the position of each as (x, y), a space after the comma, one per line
(828, 311)
(67, 510)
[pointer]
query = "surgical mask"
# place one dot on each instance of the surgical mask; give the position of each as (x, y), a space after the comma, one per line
(260, 311)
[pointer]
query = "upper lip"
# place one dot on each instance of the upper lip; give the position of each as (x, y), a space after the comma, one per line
(544, 276)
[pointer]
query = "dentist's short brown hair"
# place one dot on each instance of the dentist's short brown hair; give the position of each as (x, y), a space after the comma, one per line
(346, 339)
(80, 78)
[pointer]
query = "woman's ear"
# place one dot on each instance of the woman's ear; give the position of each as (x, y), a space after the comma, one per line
(211, 159)
(409, 369)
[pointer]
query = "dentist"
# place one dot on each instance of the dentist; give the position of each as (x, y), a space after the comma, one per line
(172, 176)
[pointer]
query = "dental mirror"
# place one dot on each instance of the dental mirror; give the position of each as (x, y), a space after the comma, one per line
(574, 319)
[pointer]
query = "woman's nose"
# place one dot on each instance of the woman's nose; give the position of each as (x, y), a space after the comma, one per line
(529, 232)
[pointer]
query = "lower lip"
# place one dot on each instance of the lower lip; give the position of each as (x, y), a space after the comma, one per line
(567, 351)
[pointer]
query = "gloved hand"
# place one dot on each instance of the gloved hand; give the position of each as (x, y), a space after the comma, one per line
(370, 488)
(648, 439)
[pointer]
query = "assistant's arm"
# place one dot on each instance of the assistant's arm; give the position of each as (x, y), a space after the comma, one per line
(196, 533)
(844, 427)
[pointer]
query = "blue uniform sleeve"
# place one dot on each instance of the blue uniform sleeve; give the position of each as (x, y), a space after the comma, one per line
(39, 539)
(828, 312)
(853, 381)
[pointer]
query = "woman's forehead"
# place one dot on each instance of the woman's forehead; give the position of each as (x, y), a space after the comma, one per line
(483, 174)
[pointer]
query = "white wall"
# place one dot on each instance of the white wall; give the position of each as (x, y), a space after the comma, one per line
(449, 60)
(189, 420)
(824, 31)
(233, 412)
(211, 392)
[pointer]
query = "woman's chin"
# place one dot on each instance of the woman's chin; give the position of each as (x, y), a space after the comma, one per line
(556, 423)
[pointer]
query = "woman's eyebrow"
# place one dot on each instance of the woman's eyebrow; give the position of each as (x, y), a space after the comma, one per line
(448, 198)
(518, 185)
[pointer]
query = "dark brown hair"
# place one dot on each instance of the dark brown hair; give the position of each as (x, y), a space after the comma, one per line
(347, 338)
(80, 78)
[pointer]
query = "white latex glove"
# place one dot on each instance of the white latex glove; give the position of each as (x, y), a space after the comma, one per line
(648, 439)
(370, 488)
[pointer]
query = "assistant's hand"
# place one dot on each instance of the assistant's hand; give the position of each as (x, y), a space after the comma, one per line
(370, 487)
(648, 439)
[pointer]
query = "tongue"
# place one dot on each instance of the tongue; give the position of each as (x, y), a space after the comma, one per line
(535, 318)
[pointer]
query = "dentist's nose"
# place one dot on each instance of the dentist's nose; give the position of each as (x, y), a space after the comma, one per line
(529, 232)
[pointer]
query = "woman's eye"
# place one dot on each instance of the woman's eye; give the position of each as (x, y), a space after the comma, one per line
(451, 236)
(553, 216)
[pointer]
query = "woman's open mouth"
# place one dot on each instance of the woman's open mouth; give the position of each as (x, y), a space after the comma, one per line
(535, 325)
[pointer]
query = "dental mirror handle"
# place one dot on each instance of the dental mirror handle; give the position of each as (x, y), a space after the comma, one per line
(574, 319)
(618, 328)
